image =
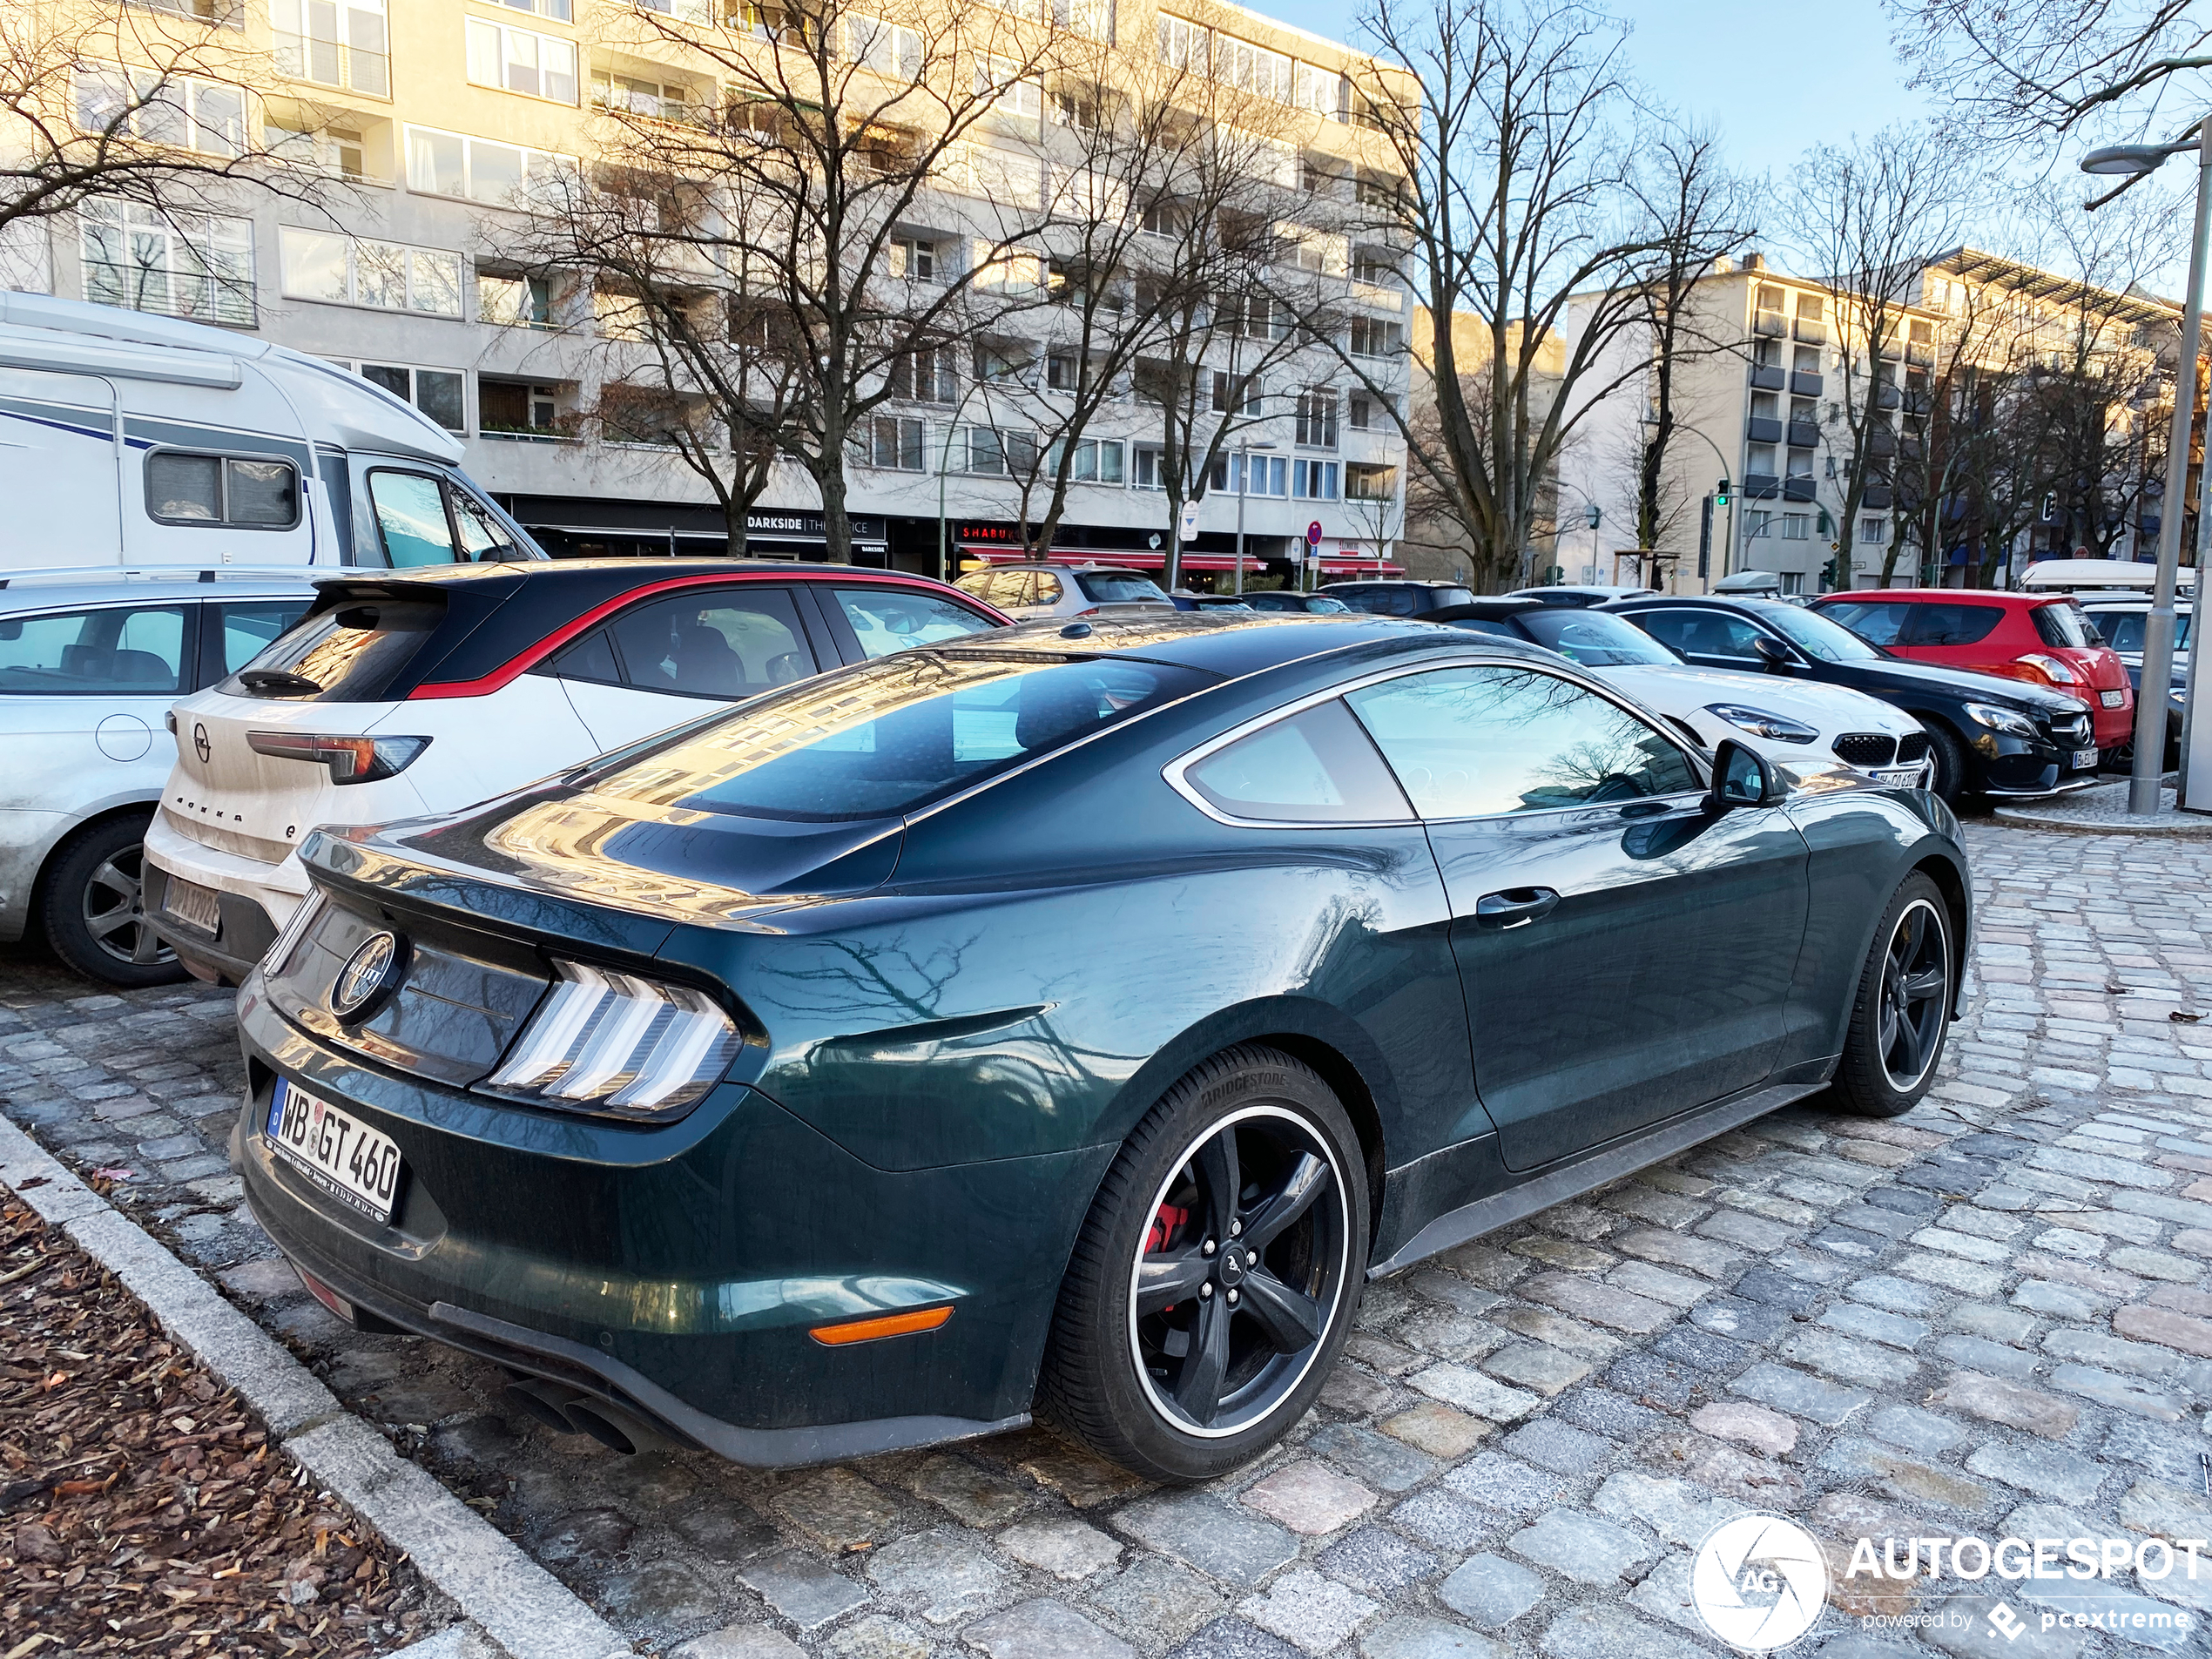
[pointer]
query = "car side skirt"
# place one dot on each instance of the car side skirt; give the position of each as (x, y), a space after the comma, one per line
(1594, 1168)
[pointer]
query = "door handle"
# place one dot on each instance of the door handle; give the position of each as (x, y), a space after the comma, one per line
(1515, 908)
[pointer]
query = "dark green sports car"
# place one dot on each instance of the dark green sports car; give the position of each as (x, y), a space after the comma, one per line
(1066, 1020)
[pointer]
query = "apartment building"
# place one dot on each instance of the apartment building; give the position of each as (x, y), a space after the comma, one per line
(1761, 402)
(431, 118)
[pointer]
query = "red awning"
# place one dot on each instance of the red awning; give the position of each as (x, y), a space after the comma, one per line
(1331, 565)
(1130, 558)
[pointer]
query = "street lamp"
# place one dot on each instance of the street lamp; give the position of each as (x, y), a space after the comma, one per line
(2132, 160)
(1728, 538)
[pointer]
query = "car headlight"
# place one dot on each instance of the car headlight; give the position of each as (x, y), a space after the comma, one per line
(1999, 719)
(618, 1045)
(1760, 723)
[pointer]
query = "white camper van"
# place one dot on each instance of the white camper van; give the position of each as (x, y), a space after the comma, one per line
(136, 440)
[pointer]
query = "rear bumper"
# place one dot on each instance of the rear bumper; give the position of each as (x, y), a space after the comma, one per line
(243, 935)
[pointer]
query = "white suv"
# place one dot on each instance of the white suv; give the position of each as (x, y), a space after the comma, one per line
(90, 661)
(1027, 592)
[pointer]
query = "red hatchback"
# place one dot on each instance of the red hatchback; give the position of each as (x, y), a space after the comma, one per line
(2045, 639)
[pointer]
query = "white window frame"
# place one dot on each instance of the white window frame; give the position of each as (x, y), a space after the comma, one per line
(211, 253)
(890, 49)
(1184, 44)
(418, 267)
(1012, 93)
(360, 366)
(421, 179)
(1316, 478)
(558, 11)
(491, 57)
(348, 58)
(1873, 531)
(209, 116)
(1797, 527)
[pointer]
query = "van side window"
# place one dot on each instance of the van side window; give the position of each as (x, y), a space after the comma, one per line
(411, 519)
(240, 491)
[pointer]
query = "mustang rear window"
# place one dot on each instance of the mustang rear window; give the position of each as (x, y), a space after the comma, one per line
(893, 735)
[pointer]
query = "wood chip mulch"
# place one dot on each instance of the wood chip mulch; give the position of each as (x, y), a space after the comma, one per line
(142, 1509)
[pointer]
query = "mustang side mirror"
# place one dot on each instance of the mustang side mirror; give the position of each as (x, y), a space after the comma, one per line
(1740, 778)
(1773, 653)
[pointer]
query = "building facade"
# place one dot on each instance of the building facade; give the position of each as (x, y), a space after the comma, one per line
(431, 118)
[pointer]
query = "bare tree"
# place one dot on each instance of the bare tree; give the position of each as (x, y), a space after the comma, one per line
(127, 105)
(1865, 218)
(837, 125)
(1503, 118)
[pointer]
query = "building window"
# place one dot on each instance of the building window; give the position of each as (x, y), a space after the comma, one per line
(996, 453)
(1366, 411)
(1320, 91)
(1757, 524)
(1812, 308)
(1147, 468)
(1793, 581)
(521, 60)
(911, 256)
(227, 13)
(1377, 190)
(1251, 474)
(1363, 481)
(335, 152)
(195, 266)
(1184, 44)
(182, 110)
(1095, 461)
(1062, 372)
(334, 45)
(656, 100)
(387, 276)
(927, 374)
(1314, 480)
(517, 409)
(1235, 393)
(1797, 527)
(1874, 530)
(436, 392)
(1093, 19)
(1317, 418)
(1001, 80)
(559, 10)
(514, 301)
(891, 51)
(449, 164)
(1371, 337)
(895, 442)
(1761, 459)
(1251, 68)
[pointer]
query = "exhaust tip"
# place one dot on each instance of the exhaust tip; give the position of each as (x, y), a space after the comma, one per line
(526, 1397)
(586, 1416)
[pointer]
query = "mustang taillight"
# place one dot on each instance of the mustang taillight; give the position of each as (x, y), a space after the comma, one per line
(351, 760)
(617, 1044)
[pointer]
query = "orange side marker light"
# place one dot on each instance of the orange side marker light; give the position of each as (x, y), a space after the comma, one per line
(888, 1324)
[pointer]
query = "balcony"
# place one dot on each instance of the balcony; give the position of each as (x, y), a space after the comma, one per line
(1761, 486)
(1805, 434)
(330, 62)
(1887, 397)
(1920, 356)
(1881, 443)
(1813, 334)
(1766, 377)
(1917, 403)
(1877, 495)
(1800, 489)
(1770, 322)
(1376, 294)
(1759, 429)
(1804, 384)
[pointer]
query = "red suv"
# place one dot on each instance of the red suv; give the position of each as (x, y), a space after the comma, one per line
(2045, 639)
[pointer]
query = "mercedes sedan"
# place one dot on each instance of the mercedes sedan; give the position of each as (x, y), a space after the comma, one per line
(1069, 1019)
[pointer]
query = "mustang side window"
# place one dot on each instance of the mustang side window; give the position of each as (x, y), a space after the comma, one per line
(1316, 767)
(1476, 742)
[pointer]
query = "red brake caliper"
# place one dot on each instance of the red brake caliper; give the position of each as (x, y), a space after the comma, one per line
(1164, 1226)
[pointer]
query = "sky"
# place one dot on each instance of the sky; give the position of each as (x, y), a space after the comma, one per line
(1773, 80)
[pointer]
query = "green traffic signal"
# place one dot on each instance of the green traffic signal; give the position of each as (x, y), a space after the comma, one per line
(1720, 495)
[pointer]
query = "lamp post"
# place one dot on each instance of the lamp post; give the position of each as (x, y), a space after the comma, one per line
(1728, 537)
(2127, 160)
(944, 454)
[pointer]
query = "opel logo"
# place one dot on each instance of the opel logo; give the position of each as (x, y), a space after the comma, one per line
(200, 745)
(369, 977)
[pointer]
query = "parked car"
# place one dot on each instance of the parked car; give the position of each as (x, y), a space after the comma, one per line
(2081, 577)
(1211, 602)
(131, 438)
(1987, 735)
(2119, 619)
(2045, 639)
(90, 662)
(1578, 597)
(741, 1086)
(394, 698)
(1028, 592)
(1398, 598)
(1318, 604)
(1791, 721)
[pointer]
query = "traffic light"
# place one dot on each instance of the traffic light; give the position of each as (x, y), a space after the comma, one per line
(1830, 574)
(1592, 513)
(1720, 495)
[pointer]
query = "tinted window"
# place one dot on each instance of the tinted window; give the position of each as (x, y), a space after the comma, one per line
(592, 658)
(1700, 633)
(411, 519)
(1119, 587)
(1594, 640)
(130, 651)
(893, 735)
(1488, 625)
(1439, 597)
(715, 643)
(1880, 623)
(1380, 601)
(1816, 635)
(352, 653)
(1321, 605)
(1317, 767)
(2123, 630)
(1952, 624)
(249, 629)
(2064, 624)
(888, 619)
(1473, 742)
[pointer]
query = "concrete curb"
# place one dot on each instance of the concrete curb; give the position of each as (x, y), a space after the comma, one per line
(504, 1595)
(2174, 826)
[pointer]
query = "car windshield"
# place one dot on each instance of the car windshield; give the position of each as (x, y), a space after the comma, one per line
(1119, 587)
(1596, 641)
(892, 735)
(1321, 605)
(1815, 633)
(2123, 630)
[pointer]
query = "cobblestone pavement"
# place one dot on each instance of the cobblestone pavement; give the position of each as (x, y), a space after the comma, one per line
(1990, 1316)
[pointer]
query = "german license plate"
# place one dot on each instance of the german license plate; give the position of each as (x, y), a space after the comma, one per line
(2113, 699)
(2085, 759)
(193, 904)
(334, 1149)
(1905, 777)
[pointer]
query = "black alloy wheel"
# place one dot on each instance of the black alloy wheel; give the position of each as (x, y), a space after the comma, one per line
(1902, 1013)
(1217, 1273)
(93, 899)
